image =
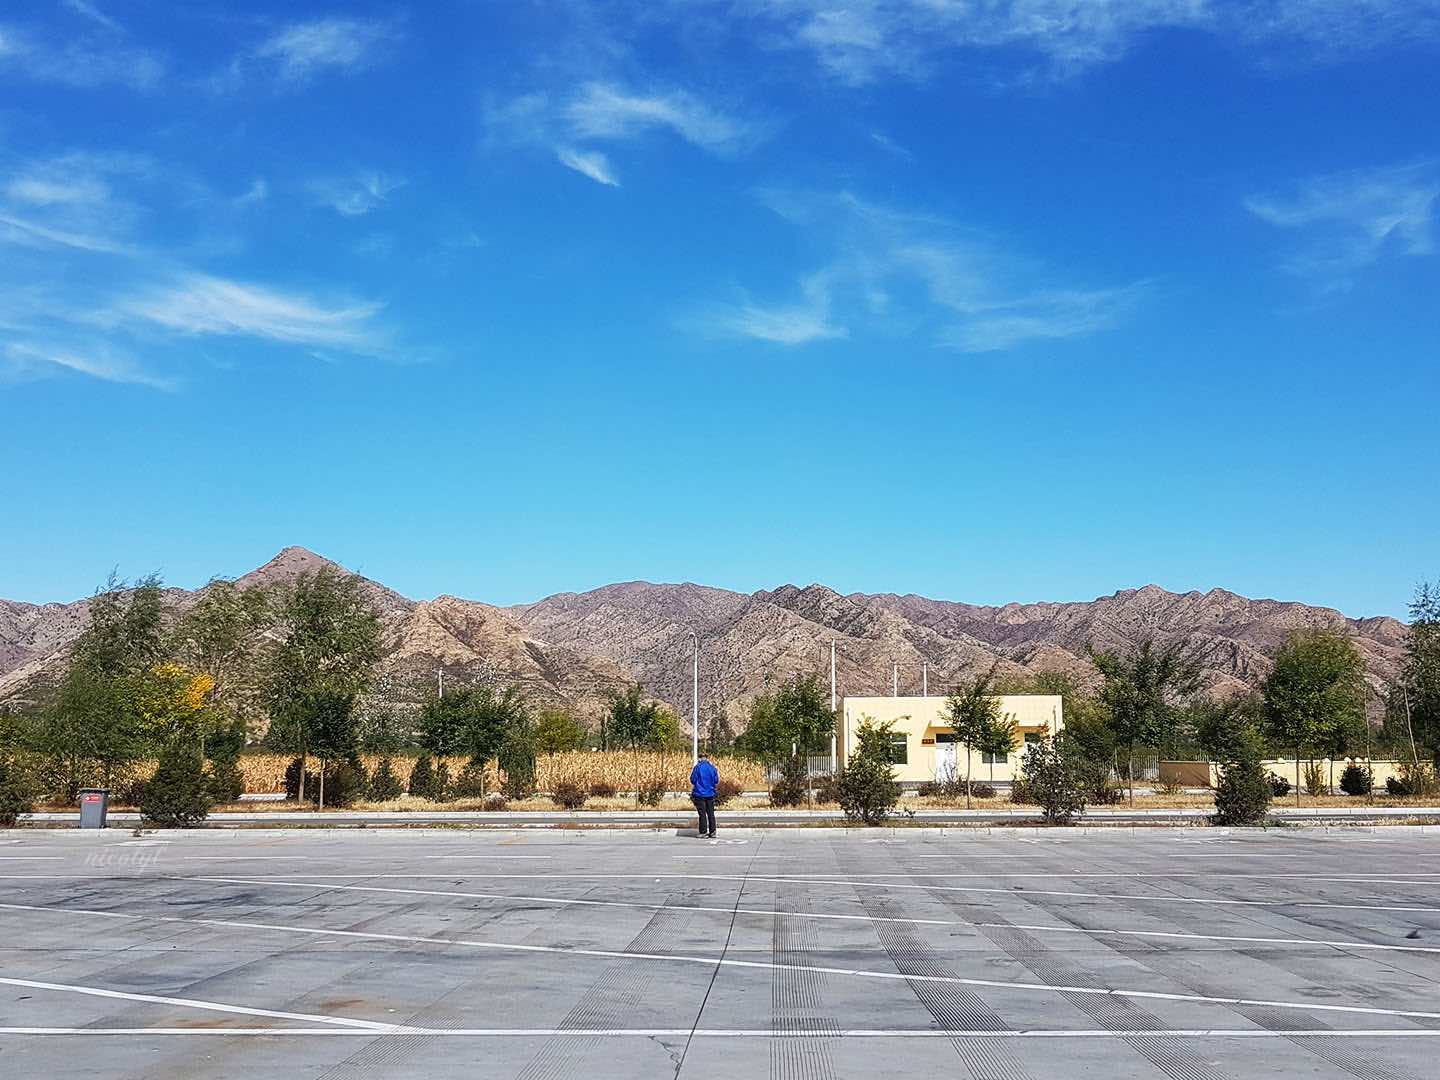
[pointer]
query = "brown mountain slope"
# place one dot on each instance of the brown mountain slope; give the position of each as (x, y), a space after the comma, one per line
(577, 648)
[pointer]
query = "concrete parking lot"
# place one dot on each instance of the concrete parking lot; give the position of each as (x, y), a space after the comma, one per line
(386, 953)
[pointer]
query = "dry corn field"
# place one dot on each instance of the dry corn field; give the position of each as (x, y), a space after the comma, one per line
(265, 773)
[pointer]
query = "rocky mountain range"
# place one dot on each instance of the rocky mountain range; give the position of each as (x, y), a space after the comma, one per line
(577, 648)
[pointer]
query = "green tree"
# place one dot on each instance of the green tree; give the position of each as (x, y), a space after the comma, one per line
(326, 643)
(1314, 695)
(92, 728)
(1420, 680)
(329, 718)
(1242, 795)
(558, 730)
(866, 789)
(472, 720)
(719, 734)
(795, 718)
(973, 713)
(632, 719)
(1142, 692)
(999, 740)
(222, 635)
(516, 758)
(1055, 773)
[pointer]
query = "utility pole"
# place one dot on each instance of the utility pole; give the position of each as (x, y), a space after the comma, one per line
(925, 679)
(833, 718)
(695, 702)
(440, 682)
(894, 678)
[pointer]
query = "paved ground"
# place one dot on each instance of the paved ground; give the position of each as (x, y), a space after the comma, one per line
(791, 954)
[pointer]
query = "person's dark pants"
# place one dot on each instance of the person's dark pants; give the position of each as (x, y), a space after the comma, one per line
(706, 808)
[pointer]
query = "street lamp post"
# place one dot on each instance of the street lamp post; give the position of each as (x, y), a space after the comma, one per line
(833, 763)
(695, 703)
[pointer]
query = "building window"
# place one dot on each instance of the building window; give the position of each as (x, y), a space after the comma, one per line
(899, 750)
(1032, 738)
(994, 759)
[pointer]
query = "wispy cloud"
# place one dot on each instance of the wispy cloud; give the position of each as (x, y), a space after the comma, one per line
(94, 14)
(354, 196)
(304, 49)
(29, 233)
(98, 58)
(605, 112)
(257, 192)
(797, 323)
(199, 304)
(102, 362)
(862, 41)
(897, 272)
(1352, 220)
(591, 163)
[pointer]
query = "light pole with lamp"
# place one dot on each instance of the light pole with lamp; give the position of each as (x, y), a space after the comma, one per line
(695, 703)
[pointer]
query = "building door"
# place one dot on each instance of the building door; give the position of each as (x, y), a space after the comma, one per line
(945, 762)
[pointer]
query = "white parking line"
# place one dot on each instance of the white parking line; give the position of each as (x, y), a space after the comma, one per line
(747, 1033)
(489, 856)
(192, 1003)
(750, 965)
(858, 883)
(729, 911)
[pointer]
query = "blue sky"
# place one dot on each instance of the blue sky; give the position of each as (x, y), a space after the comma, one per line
(1014, 300)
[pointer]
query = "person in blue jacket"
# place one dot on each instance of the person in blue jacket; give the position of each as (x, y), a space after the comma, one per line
(703, 778)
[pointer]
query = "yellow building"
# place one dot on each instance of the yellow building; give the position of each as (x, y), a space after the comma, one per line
(925, 746)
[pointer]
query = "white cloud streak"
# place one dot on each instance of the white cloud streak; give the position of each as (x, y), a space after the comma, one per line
(102, 362)
(898, 272)
(85, 61)
(199, 304)
(591, 163)
(305, 49)
(603, 111)
(357, 195)
(1352, 220)
(863, 41)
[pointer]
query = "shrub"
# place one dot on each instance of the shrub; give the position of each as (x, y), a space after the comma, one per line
(867, 789)
(422, 778)
(496, 803)
(384, 784)
(17, 791)
(345, 783)
(1100, 789)
(602, 789)
(1357, 780)
(442, 789)
(792, 786)
(569, 795)
(827, 789)
(725, 790)
(1279, 786)
(292, 780)
(1242, 794)
(982, 790)
(651, 791)
(226, 782)
(517, 762)
(1315, 778)
(1054, 775)
(1413, 780)
(177, 795)
(470, 784)
(1020, 792)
